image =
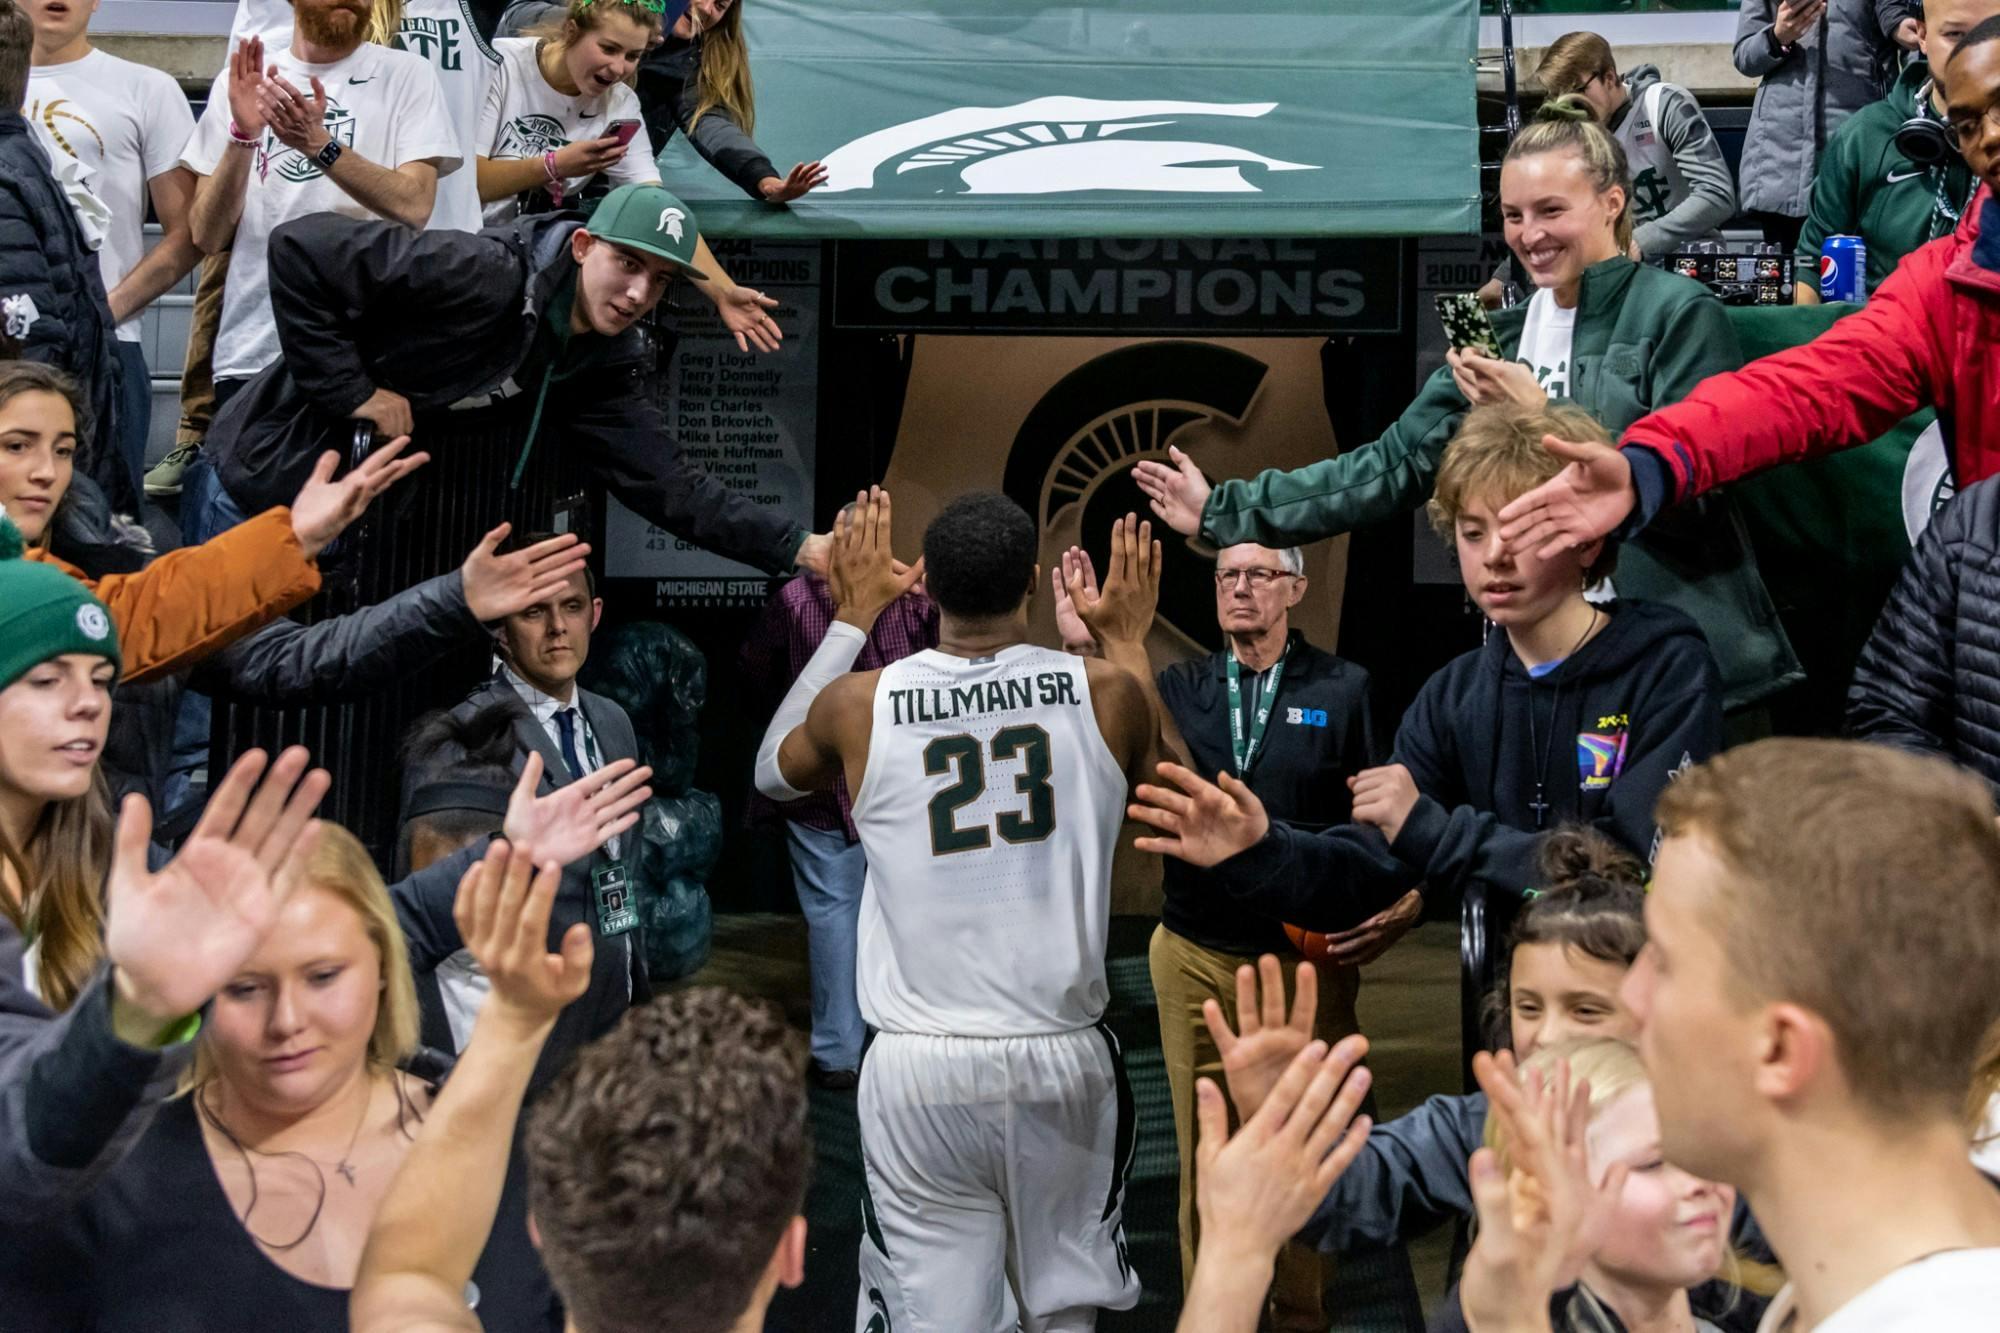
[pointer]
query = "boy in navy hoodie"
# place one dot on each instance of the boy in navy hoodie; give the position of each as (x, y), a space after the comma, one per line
(1572, 712)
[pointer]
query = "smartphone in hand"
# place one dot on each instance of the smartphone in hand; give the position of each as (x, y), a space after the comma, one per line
(1466, 324)
(622, 131)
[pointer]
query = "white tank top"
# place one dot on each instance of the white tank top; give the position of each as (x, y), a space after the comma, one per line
(989, 813)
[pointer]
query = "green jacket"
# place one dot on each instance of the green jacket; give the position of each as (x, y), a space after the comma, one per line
(1644, 338)
(1866, 188)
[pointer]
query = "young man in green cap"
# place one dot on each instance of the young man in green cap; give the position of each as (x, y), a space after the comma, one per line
(383, 323)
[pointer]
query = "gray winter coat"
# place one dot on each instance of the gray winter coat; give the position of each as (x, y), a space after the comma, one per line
(1839, 66)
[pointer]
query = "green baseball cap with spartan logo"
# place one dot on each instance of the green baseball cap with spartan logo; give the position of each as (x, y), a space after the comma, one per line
(646, 217)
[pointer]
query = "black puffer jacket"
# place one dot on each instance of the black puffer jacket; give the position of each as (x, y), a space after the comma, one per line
(44, 259)
(1929, 679)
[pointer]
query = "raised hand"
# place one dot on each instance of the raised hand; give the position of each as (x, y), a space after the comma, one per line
(1256, 1055)
(1587, 500)
(1119, 614)
(1076, 636)
(577, 818)
(176, 935)
(296, 120)
(246, 75)
(503, 917)
(862, 571)
(325, 507)
(1178, 493)
(1201, 823)
(1256, 1189)
(497, 586)
(747, 314)
(804, 178)
(1539, 1225)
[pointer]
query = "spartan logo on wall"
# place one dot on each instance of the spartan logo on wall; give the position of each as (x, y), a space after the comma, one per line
(1077, 446)
(1053, 145)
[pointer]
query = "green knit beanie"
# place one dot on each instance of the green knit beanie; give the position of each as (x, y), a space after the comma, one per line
(45, 613)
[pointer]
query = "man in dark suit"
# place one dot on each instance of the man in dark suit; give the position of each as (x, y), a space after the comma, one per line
(574, 734)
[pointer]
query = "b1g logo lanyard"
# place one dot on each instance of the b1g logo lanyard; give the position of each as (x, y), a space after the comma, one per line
(1244, 741)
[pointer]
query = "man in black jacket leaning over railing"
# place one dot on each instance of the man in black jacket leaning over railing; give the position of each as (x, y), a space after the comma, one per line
(393, 326)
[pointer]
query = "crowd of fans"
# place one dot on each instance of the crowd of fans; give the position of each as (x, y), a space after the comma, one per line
(1742, 1065)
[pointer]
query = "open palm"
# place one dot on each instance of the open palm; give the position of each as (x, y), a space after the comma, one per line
(1256, 1055)
(575, 819)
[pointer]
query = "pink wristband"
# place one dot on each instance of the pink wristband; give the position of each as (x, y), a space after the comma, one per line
(555, 177)
(239, 138)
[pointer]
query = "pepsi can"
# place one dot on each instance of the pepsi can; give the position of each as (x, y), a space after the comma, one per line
(1843, 269)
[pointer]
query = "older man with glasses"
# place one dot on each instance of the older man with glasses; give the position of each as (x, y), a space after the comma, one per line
(1294, 723)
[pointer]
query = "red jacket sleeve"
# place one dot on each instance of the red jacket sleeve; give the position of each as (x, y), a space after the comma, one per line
(1846, 387)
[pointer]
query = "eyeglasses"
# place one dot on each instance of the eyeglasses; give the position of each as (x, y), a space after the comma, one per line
(1259, 579)
(1962, 130)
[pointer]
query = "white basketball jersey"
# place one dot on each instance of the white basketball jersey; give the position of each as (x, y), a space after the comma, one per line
(989, 813)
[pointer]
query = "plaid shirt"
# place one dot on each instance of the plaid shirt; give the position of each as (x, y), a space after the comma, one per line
(784, 639)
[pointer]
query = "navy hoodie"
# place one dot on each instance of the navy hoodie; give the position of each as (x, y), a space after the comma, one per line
(1611, 727)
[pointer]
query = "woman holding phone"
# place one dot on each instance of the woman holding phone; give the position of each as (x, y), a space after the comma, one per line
(1613, 336)
(560, 110)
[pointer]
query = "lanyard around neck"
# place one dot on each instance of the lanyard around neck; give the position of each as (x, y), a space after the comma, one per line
(1244, 739)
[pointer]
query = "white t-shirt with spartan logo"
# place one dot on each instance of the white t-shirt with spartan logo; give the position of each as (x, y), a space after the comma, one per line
(525, 117)
(385, 105)
(1546, 337)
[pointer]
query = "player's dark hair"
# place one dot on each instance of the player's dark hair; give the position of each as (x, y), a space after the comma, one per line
(979, 556)
(458, 773)
(666, 1163)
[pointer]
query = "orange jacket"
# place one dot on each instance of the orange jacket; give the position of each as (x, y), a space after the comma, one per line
(200, 599)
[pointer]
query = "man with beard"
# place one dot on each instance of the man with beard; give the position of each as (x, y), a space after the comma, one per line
(332, 124)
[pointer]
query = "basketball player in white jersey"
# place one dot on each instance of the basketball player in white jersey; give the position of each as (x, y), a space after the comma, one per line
(989, 780)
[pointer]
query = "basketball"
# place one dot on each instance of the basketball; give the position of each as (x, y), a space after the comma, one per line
(1311, 944)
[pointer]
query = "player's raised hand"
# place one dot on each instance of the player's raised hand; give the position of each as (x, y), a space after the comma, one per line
(1178, 493)
(1120, 613)
(1199, 822)
(861, 570)
(1076, 636)
(1255, 1055)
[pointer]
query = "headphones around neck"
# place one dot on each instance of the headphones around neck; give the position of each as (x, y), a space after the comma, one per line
(1921, 138)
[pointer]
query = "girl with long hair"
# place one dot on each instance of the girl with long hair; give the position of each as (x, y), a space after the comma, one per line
(264, 1177)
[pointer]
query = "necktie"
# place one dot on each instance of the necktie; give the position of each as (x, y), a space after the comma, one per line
(566, 724)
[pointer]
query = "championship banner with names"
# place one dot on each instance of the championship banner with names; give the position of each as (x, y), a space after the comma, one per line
(994, 118)
(749, 419)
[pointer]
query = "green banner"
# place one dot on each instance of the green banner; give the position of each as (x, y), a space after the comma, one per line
(1005, 118)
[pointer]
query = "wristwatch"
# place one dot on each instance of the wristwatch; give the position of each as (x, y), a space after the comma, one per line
(328, 155)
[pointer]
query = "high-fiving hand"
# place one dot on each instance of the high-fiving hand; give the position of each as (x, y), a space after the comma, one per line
(1266, 1040)
(325, 507)
(502, 911)
(1177, 493)
(578, 817)
(1202, 823)
(1587, 500)
(747, 315)
(803, 179)
(176, 935)
(498, 586)
(1121, 612)
(1539, 1224)
(862, 571)
(1074, 565)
